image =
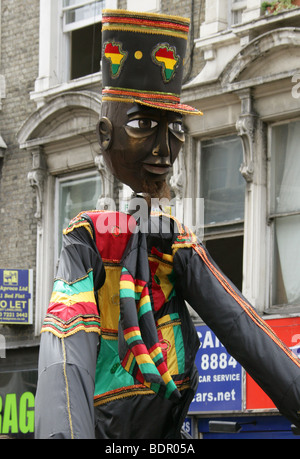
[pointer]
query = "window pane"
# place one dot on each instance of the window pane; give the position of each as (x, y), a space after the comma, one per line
(76, 14)
(286, 285)
(222, 185)
(228, 254)
(72, 2)
(76, 195)
(285, 158)
(285, 198)
(86, 51)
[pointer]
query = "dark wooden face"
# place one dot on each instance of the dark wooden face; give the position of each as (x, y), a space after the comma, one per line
(139, 143)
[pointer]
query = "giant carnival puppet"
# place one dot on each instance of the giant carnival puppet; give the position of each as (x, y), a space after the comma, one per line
(118, 345)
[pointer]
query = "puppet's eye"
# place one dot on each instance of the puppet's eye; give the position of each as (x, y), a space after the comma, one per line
(176, 126)
(143, 123)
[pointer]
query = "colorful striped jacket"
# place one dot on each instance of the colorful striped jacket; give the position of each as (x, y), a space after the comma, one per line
(100, 375)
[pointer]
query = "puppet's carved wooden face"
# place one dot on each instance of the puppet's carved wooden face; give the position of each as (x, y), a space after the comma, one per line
(140, 144)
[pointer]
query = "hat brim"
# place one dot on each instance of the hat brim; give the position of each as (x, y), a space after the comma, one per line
(173, 107)
(179, 108)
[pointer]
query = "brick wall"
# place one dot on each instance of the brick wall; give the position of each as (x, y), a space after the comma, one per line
(19, 65)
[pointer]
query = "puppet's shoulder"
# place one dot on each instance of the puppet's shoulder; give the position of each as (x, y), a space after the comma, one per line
(182, 236)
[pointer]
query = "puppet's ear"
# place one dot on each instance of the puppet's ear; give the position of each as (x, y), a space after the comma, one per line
(104, 133)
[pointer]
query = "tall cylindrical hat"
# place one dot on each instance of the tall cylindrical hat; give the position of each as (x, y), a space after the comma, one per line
(143, 57)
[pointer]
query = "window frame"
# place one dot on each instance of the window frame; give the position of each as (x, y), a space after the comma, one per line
(234, 7)
(272, 216)
(66, 38)
(223, 230)
(66, 178)
(220, 229)
(84, 22)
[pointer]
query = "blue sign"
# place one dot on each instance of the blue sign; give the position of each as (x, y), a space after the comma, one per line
(16, 296)
(220, 377)
(188, 426)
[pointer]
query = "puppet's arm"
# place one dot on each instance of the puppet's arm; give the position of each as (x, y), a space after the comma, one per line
(70, 335)
(240, 329)
(64, 401)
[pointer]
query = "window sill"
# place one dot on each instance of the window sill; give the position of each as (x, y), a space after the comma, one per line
(40, 97)
(283, 310)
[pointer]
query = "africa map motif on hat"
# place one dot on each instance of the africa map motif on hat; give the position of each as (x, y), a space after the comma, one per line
(166, 57)
(113, 52)
(143, 57)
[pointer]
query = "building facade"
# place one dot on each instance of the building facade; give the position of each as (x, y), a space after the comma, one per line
(235, 182)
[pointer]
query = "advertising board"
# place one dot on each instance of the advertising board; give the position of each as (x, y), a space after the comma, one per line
(223, 385)
(17, 402)
(16, 296)
(220, 377)
(288, 330)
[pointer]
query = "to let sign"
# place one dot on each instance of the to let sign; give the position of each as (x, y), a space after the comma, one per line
(220, 377)
(16, 296)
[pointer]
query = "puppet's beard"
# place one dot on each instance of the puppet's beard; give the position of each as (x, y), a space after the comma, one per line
(157, 190)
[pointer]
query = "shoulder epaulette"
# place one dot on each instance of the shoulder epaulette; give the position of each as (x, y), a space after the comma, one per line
(78, 222)
(184, 237)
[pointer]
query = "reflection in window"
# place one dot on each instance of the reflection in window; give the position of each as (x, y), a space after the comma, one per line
(81, 10)
(285, 212)
(223, 188)
(75, 195)
(222, 185)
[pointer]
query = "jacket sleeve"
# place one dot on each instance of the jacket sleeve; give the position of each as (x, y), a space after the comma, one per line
(69, 340)
(240, 329)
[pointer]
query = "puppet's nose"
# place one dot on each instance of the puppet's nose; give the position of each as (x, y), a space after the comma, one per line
(162, 147)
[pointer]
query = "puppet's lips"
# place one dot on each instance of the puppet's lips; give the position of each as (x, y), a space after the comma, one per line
(159, 169)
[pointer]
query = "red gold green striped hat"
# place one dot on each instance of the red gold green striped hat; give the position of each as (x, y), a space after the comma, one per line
(143, 57)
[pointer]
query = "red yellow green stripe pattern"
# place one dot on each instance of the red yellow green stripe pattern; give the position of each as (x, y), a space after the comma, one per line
(169, 332)
(113, 52)
(165, 101)
(72, 308)
(167, 59)
(78, 222)
(144, 362)
(134, 94)
(130, 391)
(150, 23)
(164, 48)
(144, 366)
(63, 329)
